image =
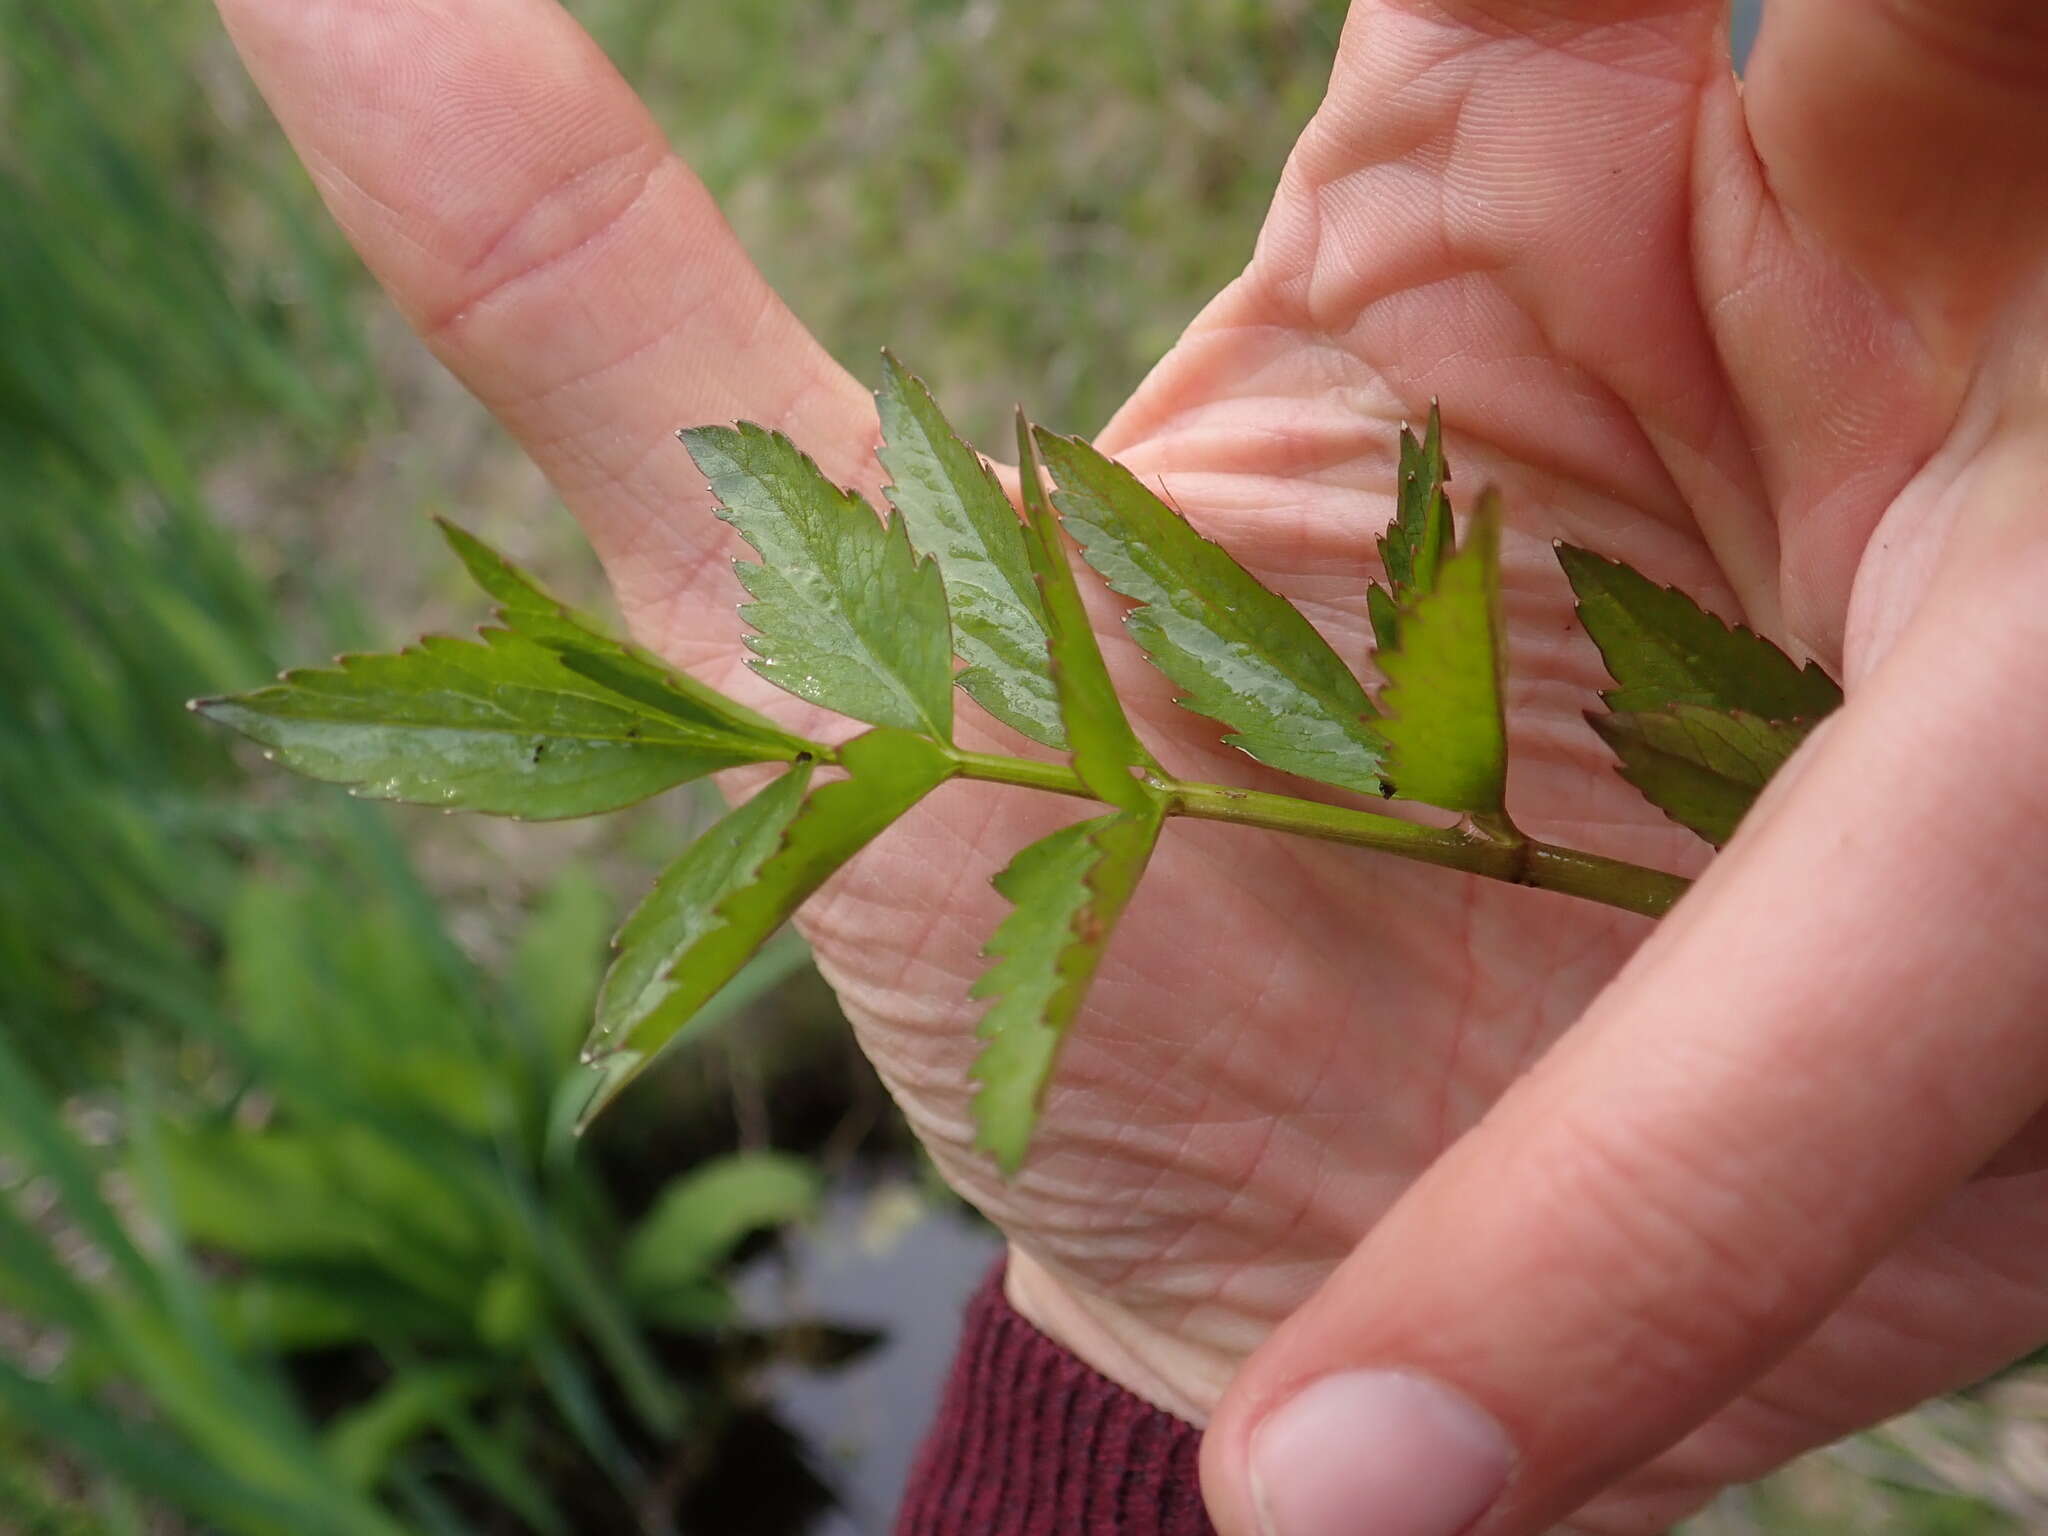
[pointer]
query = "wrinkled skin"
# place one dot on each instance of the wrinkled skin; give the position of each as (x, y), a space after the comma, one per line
(1774, 350)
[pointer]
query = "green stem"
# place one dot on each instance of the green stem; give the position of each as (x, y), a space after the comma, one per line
(1494, 850)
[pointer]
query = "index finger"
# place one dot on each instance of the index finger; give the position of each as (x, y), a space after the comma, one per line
(523, 210)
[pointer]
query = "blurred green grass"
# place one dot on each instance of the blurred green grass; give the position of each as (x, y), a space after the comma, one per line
(217, 447)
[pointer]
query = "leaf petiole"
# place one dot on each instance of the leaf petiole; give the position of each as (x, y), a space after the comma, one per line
(1468, 847)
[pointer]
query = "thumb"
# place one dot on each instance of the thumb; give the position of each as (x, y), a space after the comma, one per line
(1837, 1027)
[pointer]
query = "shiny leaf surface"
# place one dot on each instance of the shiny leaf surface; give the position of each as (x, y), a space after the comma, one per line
(1238, 653)
(846, 614)
(958, 515)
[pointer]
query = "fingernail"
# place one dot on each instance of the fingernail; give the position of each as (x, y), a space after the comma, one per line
(1376, 1453)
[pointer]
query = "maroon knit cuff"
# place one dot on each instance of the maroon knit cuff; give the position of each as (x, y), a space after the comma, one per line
(1031, 1442)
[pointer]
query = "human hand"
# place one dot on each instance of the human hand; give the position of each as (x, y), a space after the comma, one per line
(1732, 1210)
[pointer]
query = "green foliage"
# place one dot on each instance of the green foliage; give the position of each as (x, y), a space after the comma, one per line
(1702, 767)
(584, 649)
(356, 1156)
(1444, 723)
(849, 614)
(1106, 751)
(163, 282)
(391, 1181)
(701, 1217)
(499, 725)
(1067, 891)
(683, 906)
(887, 772)
(1420, 538)
(236, 1448)
(846, 614)
(1238, 653)
(1703, 713)
(956, 510)
(1662, 648)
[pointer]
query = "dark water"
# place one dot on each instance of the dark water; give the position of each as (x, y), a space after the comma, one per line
(885, 1257)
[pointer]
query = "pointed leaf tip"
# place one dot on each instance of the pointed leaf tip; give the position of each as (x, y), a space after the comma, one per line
(1662, 648)
(1701, 767)
(1419, 537)
(583, 647)
(495, 725)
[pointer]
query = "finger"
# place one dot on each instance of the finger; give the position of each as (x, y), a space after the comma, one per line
(1913, 136)
(526, 215)
(1966, 1294)
(1834, 1031)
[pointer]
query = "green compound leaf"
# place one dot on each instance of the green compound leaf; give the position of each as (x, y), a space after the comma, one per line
(1701, 767)
(528, 609)
(495, 725)
(1067, 892)
(888, 772)
(681, 908)
(1662, 648)
(1443, 723)
(1420, 538)
(1239, 653)
(847, 615)
(1106, 751)
(957, 514)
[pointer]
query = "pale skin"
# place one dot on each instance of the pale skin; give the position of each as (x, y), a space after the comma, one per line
(1716, 1195)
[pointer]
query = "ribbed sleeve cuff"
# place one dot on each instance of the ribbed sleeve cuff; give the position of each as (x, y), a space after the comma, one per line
(1031, 1442)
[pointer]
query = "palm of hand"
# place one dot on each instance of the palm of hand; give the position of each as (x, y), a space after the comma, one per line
(1284, 1035)
(1563, 233)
